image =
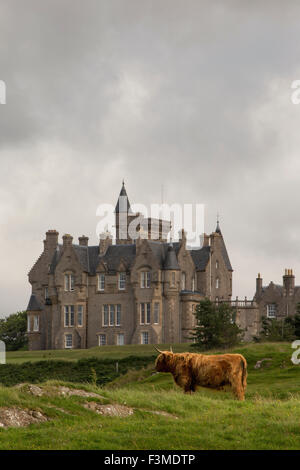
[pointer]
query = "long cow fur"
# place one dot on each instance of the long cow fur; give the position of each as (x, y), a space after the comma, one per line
(212, 371)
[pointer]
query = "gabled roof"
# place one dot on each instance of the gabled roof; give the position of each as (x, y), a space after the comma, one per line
(33, 304)
(201, 257)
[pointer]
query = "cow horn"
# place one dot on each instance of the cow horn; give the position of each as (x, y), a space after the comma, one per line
(171, 350)
(160, 352)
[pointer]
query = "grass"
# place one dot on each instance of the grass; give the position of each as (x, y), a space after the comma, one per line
(268, 419)
(103, 352)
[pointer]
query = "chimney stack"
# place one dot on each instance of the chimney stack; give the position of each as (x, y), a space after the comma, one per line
(51, 241)
(105, 242)
(83, 240)
(67, 240)
(259, 282)
(289, 281)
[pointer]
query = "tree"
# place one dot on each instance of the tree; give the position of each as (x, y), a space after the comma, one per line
(216, 325)
(13, 331)
(277, 329)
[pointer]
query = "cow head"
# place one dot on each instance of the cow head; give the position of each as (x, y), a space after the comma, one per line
(163, 361)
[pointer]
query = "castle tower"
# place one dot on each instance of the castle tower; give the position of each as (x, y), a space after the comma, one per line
(123, 217)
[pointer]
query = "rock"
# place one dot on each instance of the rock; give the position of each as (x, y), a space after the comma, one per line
(259, 364)
(18, 417)
(109, 410)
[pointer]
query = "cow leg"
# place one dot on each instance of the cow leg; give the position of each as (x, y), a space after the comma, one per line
(237, 388)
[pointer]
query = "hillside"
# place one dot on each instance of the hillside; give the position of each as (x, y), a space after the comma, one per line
(155, 414)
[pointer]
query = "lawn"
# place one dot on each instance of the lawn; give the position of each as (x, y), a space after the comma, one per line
(268, 419)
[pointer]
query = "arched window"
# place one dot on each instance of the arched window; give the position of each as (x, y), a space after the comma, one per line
(217, 283)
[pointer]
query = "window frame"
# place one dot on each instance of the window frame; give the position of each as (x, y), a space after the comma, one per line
(101, 282)
(102, 335)
(118, 337)
(122, 282)
(143, 335)
(274, 310)
(68, 335)
(156, 313)
(80, 307)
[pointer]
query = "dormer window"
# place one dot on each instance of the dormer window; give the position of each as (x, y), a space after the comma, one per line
(122, 281)
(145, 279)
(69, 282)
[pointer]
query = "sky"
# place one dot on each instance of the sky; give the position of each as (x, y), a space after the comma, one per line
(192, 95)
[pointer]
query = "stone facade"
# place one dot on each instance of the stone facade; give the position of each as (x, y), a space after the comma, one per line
(277, 301)
(130, 292)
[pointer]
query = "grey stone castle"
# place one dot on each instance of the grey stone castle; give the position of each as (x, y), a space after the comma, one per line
(131, 292)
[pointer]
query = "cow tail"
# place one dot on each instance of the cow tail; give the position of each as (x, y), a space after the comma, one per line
(244, 372)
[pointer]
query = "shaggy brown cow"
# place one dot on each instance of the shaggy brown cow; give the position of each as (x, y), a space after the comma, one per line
(216, 371)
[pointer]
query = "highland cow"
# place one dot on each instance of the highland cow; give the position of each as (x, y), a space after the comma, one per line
(190, 370)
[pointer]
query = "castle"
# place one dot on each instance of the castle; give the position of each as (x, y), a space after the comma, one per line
(138, 291)
(131, 292)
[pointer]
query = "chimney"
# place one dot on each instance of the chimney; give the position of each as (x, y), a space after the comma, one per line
(67, 240)
(259, 282)
(289, 281)
(205, 240)
(83, 240)
(51, 241)
(105, 242)
(182, 237)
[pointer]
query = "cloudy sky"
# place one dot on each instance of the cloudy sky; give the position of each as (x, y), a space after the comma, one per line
(190, 94)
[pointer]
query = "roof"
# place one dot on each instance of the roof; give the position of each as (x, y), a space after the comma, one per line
(201, 257)
(165, 254)
(123, 194)
(171, 259)
(33, 304)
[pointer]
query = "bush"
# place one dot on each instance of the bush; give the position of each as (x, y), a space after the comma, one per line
(92, 370)
(13, 331)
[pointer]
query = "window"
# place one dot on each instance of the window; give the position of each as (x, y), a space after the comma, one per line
(111, 315)
(173, 279)
(105, 315)
(271, 310)
(102, 340)
(118, 322)
(156, 313)
(183, 281)
(101, 282)
(68, 341)
(122, 281)
(217, 283)
(217, 264)
(69, 315)
(80, 315)
(145, 337)
(28, 323)
(46, 293)
(69, 282)
(145, 279)
(120, 339)
(36, 322)
(193, 284)
(145, 310)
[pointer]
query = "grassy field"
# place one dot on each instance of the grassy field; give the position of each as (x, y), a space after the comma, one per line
(103, 352)
(268, 419)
